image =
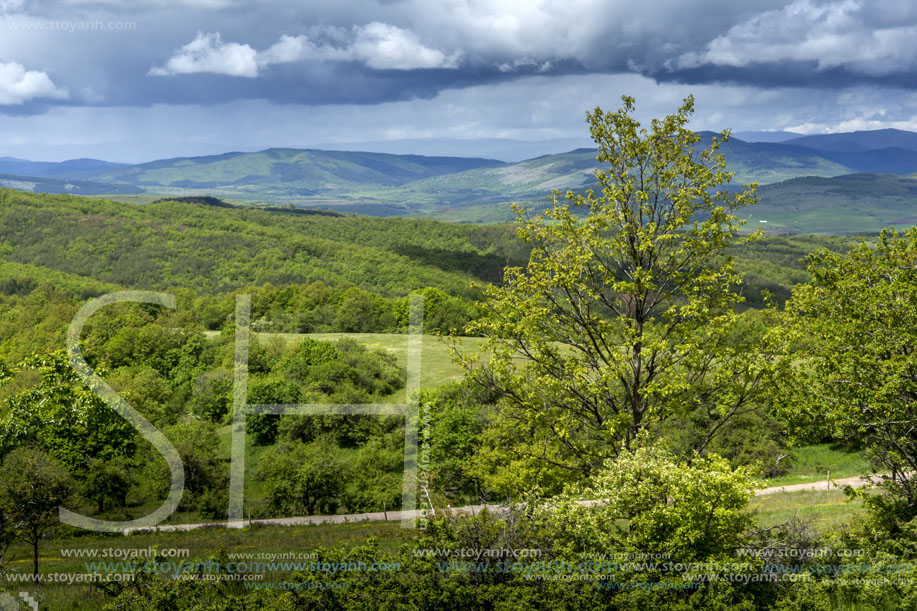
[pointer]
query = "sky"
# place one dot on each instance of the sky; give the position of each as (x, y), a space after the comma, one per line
(137, 80)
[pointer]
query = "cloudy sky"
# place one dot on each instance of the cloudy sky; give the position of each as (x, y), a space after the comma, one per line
(134, 80)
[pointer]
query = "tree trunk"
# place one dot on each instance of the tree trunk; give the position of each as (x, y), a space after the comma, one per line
(35, 560)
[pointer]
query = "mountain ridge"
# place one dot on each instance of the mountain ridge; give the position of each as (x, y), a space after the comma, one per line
(858, 141)
(467, 188)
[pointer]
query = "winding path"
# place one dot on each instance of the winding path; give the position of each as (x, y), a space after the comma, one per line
(394, 516)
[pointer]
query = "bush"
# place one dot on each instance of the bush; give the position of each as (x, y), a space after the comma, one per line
(688, 511)
(374, 477)
(212, 395)
(303, 478)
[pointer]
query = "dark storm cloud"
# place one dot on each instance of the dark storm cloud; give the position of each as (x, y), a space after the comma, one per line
(75, 73)
(212, 51)
(790, 73)
(209, 51)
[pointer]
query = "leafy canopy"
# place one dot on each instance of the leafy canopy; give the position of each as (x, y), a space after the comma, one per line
(854, 327)
(624, 315)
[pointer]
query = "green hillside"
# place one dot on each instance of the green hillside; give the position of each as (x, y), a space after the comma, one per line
(767, 163)
(291, 171)
(844, 204)
(89, 246)
(169, 244)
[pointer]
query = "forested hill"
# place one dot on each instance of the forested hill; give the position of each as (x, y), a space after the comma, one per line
(86, 246)
(215, 250)
(300, 171)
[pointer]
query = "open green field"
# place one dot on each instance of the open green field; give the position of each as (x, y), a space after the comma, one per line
(437, 365)
(823, 510)
(819, 462)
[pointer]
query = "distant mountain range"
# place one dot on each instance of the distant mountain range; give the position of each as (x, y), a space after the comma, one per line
(288, 171)
(858, 142)
(504, 149)
(766, 136)
(74, 168)
(805, 173)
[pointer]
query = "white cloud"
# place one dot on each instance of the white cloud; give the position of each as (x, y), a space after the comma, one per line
(832, 35)
(208, 53)
(287, 49)
(18, 85)
(386, 47)
(524, 62)
(377, 45)
(10, 6)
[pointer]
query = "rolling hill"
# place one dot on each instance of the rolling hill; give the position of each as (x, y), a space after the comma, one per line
(414, 181)
(88, 246)
(211, 248)
(303, 172)
(852, 203)
(71, 169)
(417, 182)
(480, 190)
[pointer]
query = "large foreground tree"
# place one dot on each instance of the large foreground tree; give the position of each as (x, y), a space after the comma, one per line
(624, 316)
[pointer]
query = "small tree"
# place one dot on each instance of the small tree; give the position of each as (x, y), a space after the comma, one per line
(33, 486)
(205, 474)
(302, 477)
(212, 395)
(374, 482)
(62, 416)
(107, 482)
(624, 316)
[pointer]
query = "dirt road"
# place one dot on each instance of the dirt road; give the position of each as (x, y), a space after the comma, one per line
(394, 516)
